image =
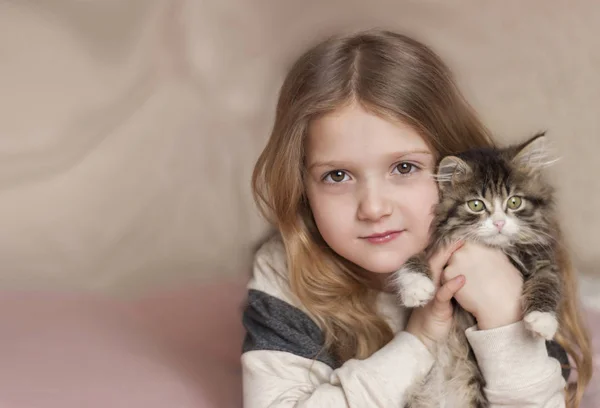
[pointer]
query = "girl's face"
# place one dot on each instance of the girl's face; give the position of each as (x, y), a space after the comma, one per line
(369, 187)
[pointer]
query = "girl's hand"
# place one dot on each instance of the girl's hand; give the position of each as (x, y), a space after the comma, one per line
(432, 322)
(493, 288)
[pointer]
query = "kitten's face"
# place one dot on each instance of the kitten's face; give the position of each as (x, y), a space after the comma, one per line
(495, 196)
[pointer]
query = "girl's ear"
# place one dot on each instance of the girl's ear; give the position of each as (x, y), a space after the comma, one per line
(534, 154)
(452, 169)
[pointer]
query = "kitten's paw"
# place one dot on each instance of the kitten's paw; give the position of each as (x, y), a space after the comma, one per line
(543, 324)
(415, 289)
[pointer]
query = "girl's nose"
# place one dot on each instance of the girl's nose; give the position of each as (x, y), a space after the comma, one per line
(373, 205)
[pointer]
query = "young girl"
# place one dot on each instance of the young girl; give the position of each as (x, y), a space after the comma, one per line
(346, 178)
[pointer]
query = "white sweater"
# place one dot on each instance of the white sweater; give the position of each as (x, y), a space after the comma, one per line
(281, 367)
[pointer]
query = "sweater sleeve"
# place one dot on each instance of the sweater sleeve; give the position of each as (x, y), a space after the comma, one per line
(284, 363)
(517, 368)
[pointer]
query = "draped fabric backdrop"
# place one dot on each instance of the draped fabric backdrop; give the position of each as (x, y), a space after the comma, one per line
(128, 129)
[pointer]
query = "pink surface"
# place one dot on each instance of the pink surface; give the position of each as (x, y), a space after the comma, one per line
(177, 348)
(173, 349)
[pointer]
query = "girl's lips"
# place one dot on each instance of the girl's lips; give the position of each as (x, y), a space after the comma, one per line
(383, 237)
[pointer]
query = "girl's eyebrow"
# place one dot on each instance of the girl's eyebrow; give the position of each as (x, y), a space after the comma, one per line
(393, 156)
(399, 155)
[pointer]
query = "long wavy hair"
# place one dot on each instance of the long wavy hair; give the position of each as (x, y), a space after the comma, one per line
(398, 78)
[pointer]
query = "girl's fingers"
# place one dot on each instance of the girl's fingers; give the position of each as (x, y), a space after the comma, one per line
(439, 260)
(441, 302)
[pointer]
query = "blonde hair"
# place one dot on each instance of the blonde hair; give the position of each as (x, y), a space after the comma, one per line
(398, 78)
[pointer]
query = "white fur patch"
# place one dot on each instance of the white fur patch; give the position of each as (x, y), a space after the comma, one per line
(415, 289)
(543, 324)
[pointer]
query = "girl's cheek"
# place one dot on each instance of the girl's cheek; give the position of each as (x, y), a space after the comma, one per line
(333, 203)
(422, 201)
(421, 193)
(428, 191)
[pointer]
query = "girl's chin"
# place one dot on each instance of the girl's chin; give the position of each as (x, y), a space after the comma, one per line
(383, 268)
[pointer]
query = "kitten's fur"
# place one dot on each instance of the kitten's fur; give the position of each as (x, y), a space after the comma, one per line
(491, 176)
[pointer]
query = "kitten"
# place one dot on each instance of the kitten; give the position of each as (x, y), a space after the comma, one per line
(496, 197)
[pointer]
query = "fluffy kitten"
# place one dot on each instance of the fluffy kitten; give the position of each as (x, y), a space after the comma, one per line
(495, 197)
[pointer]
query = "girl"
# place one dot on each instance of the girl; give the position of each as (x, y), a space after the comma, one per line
(346, 177)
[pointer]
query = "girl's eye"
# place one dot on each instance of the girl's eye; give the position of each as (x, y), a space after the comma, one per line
(336, 176)
(405, 168)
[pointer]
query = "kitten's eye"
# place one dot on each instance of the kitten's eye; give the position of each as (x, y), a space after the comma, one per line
(476, 205)
(405, 168)
(336, 176)
(514, 202)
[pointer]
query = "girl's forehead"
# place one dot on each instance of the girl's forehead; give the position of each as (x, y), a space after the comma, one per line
(352, 130)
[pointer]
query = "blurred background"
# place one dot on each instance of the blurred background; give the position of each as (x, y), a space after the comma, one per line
(128, 133)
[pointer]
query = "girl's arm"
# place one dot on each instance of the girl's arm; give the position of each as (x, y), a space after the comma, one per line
(517, 368)
(283, 362)
(514, 363)
(280, 368)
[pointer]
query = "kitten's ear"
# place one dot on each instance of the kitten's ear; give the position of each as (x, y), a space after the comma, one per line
(534, 154)
(452, 169)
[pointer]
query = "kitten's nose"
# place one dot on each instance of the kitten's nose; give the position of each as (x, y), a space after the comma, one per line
(499, 224)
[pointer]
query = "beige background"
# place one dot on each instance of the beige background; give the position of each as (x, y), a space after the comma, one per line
(128, 129)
